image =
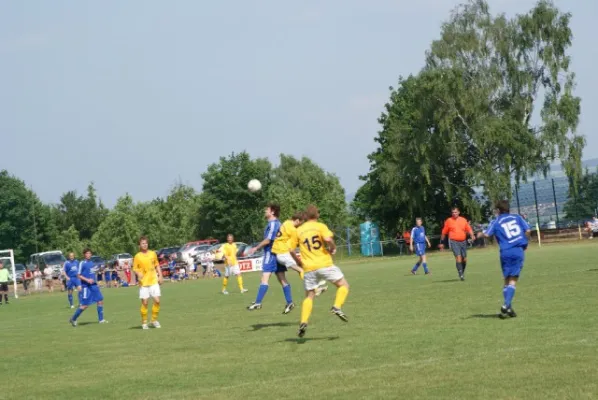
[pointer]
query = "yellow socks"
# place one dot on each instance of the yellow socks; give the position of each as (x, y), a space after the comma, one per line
(341, 295)
(155, 311)
(308, 305)
(240, 281)
(143, 314)
(224, 283)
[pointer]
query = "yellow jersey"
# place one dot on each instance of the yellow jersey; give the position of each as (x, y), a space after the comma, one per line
(229, 251)
(314, 254)
(281, 243)
(145, 264)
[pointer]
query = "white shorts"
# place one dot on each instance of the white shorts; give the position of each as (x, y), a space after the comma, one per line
(145, 292)
(286, 259)
(331, 274)
(233, 270)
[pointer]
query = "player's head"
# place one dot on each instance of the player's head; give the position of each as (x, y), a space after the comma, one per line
(272, 211)
(455, 212)
(312, 213)
(87, 253)
(418, 221)
(71, 256)
(143, 243)
(503, 207)
(230, 238)
(298, 218)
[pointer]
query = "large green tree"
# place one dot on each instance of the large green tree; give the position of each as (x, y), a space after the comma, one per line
(84, 213)
(583, 200)
(119, 232)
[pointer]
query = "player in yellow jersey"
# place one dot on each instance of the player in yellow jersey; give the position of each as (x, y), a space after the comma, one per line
(149, 277)
(229, 250)
(316, 244)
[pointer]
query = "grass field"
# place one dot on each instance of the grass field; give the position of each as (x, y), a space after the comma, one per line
(409, 337)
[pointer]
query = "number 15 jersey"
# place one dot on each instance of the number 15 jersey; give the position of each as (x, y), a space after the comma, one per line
(314, 254)
(509, 230)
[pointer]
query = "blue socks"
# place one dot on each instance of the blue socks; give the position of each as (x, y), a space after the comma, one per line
(80, 296)
(70, 295)
(261, 293)
(287, 293)
(425, 265)
(415, 267)
(100, 313)
(509, 293)
(77, 313)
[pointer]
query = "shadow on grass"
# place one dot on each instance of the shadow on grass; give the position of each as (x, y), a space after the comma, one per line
(86, 323)
(136, 327)
(593, 270)
(257, 327)
(448, 280)
(483, 316)
(304, 340)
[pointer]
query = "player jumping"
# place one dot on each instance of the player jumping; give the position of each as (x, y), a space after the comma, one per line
(149, 277)
(91, 291)
(229, 250)
(418, 245)
(316, 244)
(511, 232)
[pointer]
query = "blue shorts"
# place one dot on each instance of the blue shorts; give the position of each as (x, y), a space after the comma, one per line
(511, 262)
(108, 276)
(269, 264)
(91, 294)
(73, 283)
(420, 249)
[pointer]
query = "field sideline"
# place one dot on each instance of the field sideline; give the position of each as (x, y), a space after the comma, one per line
(409, 337)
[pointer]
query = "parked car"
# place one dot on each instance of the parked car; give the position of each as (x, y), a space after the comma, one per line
(185, 255)
(119, 260)
(217, 250)
(55, 259)
(164, 253)
(242, 252)
(199, 251)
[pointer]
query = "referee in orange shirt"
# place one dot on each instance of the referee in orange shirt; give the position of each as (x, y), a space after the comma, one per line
(457, 228)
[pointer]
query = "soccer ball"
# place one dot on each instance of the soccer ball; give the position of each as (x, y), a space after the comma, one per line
(254, 185)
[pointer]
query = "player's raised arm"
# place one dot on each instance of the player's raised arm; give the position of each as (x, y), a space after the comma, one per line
(270, 236)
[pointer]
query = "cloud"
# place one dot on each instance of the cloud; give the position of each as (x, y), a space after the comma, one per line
(24, 42)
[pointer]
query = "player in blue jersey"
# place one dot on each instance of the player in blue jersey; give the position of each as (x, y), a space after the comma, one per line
(511, 232)
(91, 291)
(270, 264)
(70, 272)
(419, 240)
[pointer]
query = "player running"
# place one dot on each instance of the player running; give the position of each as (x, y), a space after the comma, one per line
(457, 229)
(70, 272)
(418, 245)
(269, 265)
(316, 244)
(511, 232)
(91, 291)
(149, 277)
(229, 250)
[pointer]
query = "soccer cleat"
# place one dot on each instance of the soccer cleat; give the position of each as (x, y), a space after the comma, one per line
(73, 322)
(288, 308)
(103, 321)
(156, 324)
(225, 292)
(144, 326)
(503, 313)
(413, 272)
(462, 277)
(321, 290)
(72, 307)
(244, 290)
(302, 330)
(339, 313)
(254, 306)
(511, 313)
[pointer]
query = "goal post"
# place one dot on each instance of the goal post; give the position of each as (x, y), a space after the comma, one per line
(10, 256)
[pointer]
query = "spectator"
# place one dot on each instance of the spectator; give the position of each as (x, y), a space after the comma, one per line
(48, 278)
(37, 279)
(127, 269)
(27, 278)
(4, 279)
(407, 238)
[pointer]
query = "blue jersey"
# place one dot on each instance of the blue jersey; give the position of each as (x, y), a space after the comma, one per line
(270, 233)
(71, 268)
(418, 234)
(509, 230)
(87, 270)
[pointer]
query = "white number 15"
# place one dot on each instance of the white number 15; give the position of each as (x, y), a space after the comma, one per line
(511, 228)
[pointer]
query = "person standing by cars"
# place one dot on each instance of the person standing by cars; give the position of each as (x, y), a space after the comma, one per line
(37, 279)
(27, 278)
(48, 278)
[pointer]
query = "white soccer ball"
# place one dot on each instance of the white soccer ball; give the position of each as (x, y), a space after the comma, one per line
(254, 185)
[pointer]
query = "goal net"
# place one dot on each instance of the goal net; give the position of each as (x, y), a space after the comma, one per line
(7, 258)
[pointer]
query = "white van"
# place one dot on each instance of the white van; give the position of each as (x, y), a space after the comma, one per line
(55, 259)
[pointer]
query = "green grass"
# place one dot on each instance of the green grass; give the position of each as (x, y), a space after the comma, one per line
(409, 337)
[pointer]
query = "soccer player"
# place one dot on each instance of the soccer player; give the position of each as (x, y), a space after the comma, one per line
(457, 228)
(91, 291)
(71, 272)
(511, 232)
(4, 279)
(285, 242)
(149, 276)
(229, 250)
(418, 244)
(316, 244)
(269, 265)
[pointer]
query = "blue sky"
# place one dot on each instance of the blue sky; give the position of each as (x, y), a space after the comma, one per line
(136, 95)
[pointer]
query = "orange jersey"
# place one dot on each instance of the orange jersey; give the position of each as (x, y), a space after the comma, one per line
(456, 228)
